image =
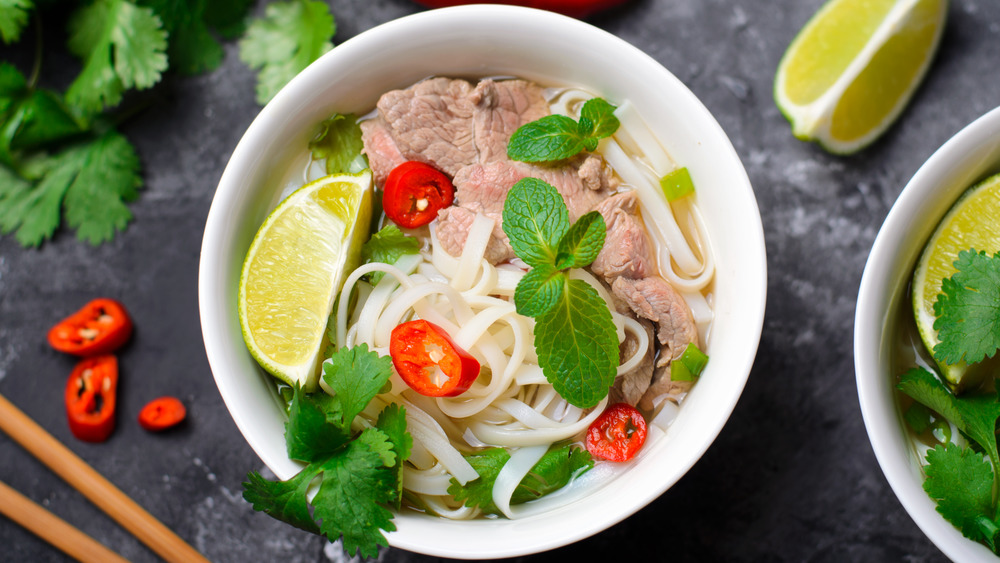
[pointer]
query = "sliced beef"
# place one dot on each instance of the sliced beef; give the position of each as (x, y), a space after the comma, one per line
(630, 386)
(663, 388)
(453, 230)
(502, 107)
(627, 250)
(431, 122)
(654, 299)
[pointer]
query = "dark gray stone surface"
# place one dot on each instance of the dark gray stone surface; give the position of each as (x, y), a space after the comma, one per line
(791, 477)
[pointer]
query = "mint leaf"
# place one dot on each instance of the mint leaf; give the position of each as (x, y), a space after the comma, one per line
(282, 43)
(600, 120)
(339, 142)
(553, 137)
(975, 416)
(557, 137)
(283, 500)
(309, 436)
(582, 242)
(539, 290)
(961, 482)
(13, 18)
(356, 375)
(560, 464)
(122, 46)
(577, 345)
(968, 310)
(352, 499)
(386, 247)
(535, 218)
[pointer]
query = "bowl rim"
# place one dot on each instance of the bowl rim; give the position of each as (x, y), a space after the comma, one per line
(756, 281)
(883, 422)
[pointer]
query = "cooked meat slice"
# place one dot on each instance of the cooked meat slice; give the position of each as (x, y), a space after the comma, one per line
(595, 175)
(383, 154)
(654, 299)
(500, 108)
(430, 122)
(453, 226)
(631, 386)
(663, 388)
(627, 249)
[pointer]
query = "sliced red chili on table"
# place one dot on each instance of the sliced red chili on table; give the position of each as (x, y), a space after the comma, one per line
(429, 362)
(90, 398)
(162, 413)
(100, 327)
(618, 434)
(414, 192)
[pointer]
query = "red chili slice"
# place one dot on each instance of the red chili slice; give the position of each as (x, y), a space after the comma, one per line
(414, 193)
(429, 362)
(90, 398)
(618, 434)
(162, 413)
(100, 327)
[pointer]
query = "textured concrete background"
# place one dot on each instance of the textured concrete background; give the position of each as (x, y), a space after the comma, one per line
(791, 477)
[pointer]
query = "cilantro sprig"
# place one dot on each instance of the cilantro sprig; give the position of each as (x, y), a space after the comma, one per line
(61, 158)
(359, 475)
(574, 335)
(968, 310)
(556, 137)
(387, 246)
(560, 464)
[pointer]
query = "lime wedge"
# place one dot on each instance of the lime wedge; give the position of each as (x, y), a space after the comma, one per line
(851, 70)
(970, 223)
(294, 269)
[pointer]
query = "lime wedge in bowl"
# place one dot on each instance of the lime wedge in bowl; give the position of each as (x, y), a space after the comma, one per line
(853, 67)
(294, 269)
(969, 224)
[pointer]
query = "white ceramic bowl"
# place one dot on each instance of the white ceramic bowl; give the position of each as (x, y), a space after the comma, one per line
(969, 156)
(476, 41)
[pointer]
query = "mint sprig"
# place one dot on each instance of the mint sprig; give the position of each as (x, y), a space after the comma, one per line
(574, 335)
(968, 310)
(557, 137)
(360, 475)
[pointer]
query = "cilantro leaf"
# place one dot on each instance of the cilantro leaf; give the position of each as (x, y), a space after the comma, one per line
(387, 246)
(339, 142)
(13, 17)
(582, 242)
(191, 48)
(352, 498)
(535, 218)
(282, 43)
(539, 290)
(392, 422)
(122, 45)
(557, 137)
(308, 436)
(88, 181)
(577, 345)
(968, 310)
(551, 473)
(975, 416)
(356, 375)
(228, 17)
(961, 482)
(284, 500)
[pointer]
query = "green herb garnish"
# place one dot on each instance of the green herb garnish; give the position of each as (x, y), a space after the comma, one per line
(555, 137)
(283, 43)
(689, 365)
(339, 142)
(574, 335)
(359, 474)
(968, 310)
(551, 473)
(387, 246)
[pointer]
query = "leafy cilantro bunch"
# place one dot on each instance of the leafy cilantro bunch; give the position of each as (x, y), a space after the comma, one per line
(61, 157)
(357, 477)
(575, 337)
(964, 481)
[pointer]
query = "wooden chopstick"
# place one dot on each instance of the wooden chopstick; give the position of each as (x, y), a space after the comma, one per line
(92, 485)
(53, 529)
